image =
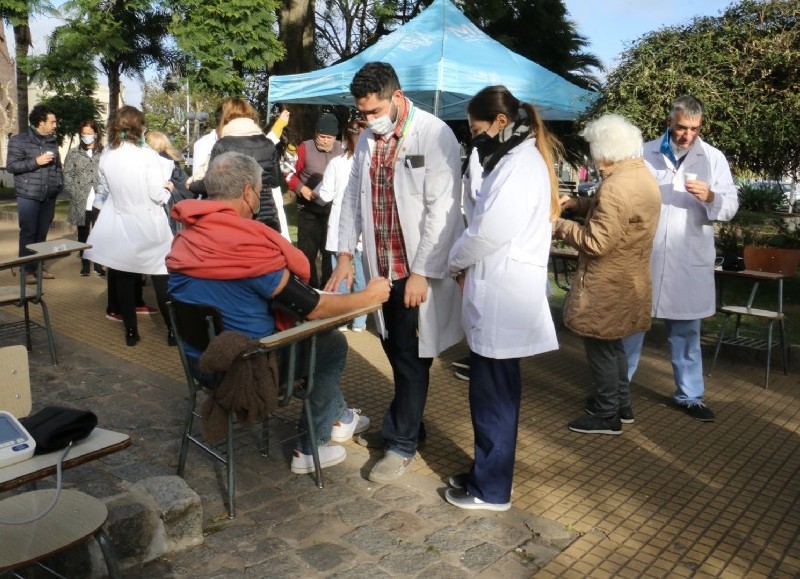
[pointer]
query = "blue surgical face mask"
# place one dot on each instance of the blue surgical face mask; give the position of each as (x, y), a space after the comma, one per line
(384, 124)
(87, 139)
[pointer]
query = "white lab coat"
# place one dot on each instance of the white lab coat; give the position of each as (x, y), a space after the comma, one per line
(683, 249)
(505, 251)
(132, 232)
(427, 191)
(331, 190)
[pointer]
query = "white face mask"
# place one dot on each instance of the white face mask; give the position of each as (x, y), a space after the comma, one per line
(384, 124)
(87, 139)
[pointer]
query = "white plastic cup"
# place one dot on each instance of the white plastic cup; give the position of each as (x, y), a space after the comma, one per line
(689, 177)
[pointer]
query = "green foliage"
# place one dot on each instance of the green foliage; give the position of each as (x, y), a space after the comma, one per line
(70, 111)
(541, 31)
(763, 197)
(226, 40)
(744, 65)
(164, 107)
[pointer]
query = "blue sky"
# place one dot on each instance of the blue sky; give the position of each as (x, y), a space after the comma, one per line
(610, 25)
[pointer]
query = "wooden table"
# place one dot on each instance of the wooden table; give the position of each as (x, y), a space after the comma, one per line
(23, 294)
(75, 516)
(98, 444)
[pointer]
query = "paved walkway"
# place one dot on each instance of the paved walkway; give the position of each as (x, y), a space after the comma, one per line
(670, 497)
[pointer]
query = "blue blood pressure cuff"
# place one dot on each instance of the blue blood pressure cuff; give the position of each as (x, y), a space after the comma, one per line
(296, 298)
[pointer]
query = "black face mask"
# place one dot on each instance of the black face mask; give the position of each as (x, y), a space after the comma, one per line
(485, 144)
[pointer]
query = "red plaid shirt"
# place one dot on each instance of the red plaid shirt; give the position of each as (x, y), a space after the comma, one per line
(391, 249)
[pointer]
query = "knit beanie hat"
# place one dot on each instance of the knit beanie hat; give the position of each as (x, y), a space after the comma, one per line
(328, 124)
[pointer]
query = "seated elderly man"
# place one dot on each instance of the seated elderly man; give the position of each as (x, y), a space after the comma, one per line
(224, 258)
(611, 290)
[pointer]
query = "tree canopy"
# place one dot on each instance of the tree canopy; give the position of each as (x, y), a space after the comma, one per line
(225, 40)
(744, 65)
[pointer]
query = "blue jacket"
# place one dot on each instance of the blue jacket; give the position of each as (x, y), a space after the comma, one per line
(31, 180)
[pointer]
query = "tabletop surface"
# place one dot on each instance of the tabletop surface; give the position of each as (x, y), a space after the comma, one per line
(750, 274)
(45, 249)
(307, 329)
(98, 444)
(74, 517)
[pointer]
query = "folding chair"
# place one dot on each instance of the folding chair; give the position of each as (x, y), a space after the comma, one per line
(75, 516)
(197, 325)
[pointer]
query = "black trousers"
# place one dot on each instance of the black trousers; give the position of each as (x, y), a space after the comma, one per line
(312, 230)
(125, 294)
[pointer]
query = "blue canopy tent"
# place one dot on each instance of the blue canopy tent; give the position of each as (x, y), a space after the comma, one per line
(442, 60)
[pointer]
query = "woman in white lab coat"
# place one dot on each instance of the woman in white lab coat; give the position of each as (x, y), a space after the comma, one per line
(511, 198)
(132, 235)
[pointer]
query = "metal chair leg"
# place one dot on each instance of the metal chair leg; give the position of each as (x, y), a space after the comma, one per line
(720, 337)
(187, 431)
(769, 353)
(783, 347)
(28, 342)
(48, 328)
(108, 553)
(231, 472)
(312, 435)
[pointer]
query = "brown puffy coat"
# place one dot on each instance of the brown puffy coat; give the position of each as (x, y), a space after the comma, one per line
(611, 292)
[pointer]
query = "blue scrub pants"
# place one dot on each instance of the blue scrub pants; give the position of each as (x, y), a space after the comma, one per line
(683, 337)
(495, 391)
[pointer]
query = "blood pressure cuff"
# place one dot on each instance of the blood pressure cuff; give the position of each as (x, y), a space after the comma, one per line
(54, 427)
(298, 299)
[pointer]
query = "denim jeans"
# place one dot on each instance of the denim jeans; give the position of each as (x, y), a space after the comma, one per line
(327, 402)
(401, 425)
(683, 337)
(34, 218)
(609, 366)
(359, 283)
(495, 390)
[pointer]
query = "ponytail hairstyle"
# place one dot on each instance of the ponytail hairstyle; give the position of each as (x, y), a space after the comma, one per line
(494, 100)
(551, 150)
(127, 126)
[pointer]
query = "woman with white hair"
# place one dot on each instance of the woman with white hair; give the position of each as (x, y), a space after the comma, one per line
(611, 291)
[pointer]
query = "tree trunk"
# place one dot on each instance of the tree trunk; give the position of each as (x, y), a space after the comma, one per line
(22, 40)
(113, 90)
(296, 21)
(8, 87)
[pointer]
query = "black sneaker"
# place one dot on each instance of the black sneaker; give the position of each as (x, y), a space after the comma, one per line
(462, 364)
(625, 412)
(596, 425)
(458, 481)
(698, 411)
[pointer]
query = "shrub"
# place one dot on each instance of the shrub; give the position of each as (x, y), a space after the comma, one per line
(760, 197)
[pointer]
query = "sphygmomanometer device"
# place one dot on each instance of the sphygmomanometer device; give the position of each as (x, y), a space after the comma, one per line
(16, 444)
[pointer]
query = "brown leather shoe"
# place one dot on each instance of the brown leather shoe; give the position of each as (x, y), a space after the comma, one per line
(47, 275)
(30, 278)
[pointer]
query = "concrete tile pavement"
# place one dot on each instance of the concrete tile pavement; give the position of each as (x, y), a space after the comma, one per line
(670, 497)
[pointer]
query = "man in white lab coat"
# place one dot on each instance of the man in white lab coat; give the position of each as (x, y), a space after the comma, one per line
(404, 196)
(696, 189)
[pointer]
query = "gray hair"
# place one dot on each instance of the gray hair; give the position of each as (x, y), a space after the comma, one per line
(228, 173)
(613, 138)
(687, 106)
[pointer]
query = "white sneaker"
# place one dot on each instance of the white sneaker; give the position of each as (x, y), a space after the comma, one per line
(344, 431)
(357, 329)
(329, 455)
